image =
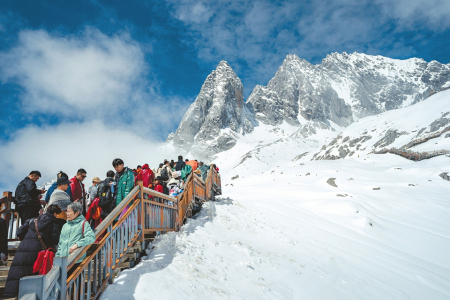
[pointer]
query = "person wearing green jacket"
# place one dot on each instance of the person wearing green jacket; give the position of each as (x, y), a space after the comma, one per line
(73, 234)
(124, 180)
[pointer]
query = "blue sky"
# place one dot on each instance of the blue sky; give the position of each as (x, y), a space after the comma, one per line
(135, 66)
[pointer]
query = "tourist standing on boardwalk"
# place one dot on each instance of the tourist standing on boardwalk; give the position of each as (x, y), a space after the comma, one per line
(30, 246)
(77, 186)
(76, 233)
(180, 164)
(204, 169)
(106, 194)
(124, 179)
(60, 198)
(147, 176)
(93, 190)
(54, 186)
(27, 197)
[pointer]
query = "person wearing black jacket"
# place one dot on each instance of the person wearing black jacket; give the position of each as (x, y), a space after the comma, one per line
(27, 253)
(27, 197)
(180, 164)
(106, 195)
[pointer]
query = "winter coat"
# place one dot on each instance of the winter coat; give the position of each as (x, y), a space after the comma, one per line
(71, 234)
(125, 183)
(180, 165)
(78, 192)
(185, 172)
(193, 164)
(159, 188)
(60, 198)
(27, 193)
(106, 196)
(146, 175)
(52, 188)
(29, 248)
(204, 169)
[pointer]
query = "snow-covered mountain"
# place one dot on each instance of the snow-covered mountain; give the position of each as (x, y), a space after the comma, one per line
(395, 129)
(213, 122)
(335, 93)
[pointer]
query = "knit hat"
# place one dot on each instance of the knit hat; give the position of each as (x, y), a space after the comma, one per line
(96, 179)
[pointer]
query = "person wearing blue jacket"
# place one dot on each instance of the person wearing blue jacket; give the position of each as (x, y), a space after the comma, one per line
(55, 185)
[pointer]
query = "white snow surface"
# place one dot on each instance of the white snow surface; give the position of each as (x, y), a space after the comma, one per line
(283, 234)
(280, 231)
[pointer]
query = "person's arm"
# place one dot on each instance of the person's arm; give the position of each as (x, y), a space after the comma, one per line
(88, 236)
(56, 233)
(3, 237)
(22, 230)
(129, 185)
(69, 192)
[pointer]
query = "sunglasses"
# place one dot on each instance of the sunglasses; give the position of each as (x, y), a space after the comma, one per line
(84, 176)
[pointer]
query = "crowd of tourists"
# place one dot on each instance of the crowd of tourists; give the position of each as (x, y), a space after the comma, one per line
(65, 218)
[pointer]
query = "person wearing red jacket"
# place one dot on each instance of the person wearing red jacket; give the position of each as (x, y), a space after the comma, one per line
(77, 187)
(147, 176)
(157, 184)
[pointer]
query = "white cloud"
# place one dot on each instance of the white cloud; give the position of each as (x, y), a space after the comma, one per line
(75, 74)
(70, 146)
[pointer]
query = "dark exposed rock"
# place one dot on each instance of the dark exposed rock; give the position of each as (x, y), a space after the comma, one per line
(331, 182)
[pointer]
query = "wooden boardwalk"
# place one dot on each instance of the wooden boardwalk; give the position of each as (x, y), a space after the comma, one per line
(118, 245)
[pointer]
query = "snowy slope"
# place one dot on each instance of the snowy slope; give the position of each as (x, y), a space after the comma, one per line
(394, 128)
(288, 235)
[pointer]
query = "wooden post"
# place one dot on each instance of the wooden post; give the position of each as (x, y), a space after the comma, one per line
(142, 214)
(62, 280)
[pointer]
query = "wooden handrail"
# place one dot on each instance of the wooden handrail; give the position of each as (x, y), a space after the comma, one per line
(117, 238)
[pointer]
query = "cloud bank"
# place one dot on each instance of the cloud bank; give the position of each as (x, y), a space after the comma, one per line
(98, 89)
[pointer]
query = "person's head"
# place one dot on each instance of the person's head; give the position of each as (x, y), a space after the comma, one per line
(160, 165)
(200, 163)
(54, 209)
(139, 168)
(110, 174)
(34, 175)
(74, 209)
(167, 163)
(81, 174)
(118, 165)
(96, 181)
(180, 157)
(196, 160)
(186, 160)
(62, 183)
(62, 174)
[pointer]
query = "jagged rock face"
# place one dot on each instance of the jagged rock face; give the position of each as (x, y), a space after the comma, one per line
(343, 84)
(217, 116)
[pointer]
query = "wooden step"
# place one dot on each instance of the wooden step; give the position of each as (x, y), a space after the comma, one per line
(4, 270)
(3, 280)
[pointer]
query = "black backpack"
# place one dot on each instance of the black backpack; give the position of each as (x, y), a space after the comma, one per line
(105, 195)
(164, 174)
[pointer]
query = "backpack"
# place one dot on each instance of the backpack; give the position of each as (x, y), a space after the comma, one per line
(164, 174)
(105, 195)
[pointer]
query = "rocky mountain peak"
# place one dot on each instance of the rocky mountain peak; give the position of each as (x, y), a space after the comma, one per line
(217, 116)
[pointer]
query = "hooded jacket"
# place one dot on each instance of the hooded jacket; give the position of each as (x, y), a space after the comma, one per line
(180, 165)
(72, 234)
(193, 164)
(125, 183)
(29, 248)
(27, 193)
(204, 169)
(146, 175)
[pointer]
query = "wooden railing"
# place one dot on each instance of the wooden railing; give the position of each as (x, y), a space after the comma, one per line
(147, 211)
(9, 215)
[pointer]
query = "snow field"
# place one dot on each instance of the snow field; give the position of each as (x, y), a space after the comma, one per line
(290, 236)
